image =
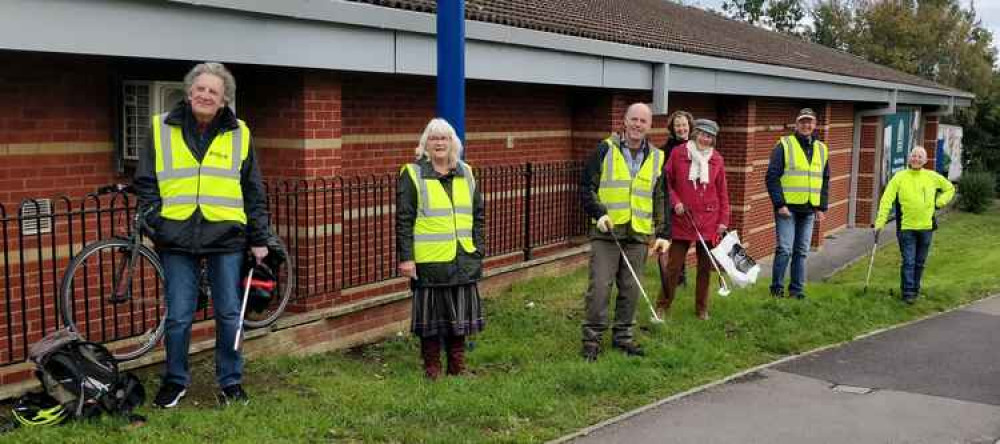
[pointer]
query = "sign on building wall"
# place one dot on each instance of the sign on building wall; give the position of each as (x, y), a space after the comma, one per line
(899, 135)
(949, 152)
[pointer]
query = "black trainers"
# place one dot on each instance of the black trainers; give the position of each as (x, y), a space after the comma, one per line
(169, 395)
(799, 296)
(630, 348)
(233, 394)
(909, 298)
(590, 351)
(777, 294)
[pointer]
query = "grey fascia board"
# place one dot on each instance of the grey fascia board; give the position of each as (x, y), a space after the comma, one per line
(362, 16)
(389, 18)
(167, 31)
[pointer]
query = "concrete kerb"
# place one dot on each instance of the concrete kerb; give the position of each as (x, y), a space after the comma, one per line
(591, 429)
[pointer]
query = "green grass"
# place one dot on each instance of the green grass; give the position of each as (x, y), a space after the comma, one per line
(528, 382)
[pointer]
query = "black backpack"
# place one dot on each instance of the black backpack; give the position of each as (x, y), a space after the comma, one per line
(84, 377)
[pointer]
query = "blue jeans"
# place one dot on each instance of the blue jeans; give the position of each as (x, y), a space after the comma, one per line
(181, 273)
(913, 246)
(794, 237)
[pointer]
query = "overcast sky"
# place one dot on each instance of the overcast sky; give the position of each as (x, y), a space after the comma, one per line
(987, 10)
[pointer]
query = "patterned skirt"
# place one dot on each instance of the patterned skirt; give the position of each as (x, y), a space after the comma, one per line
(447, 311)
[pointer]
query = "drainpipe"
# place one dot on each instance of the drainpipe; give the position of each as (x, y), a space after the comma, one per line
(856, 155)
(451, 65)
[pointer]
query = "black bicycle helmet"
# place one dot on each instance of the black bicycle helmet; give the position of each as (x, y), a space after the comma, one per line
(262, 286)
(38, 409)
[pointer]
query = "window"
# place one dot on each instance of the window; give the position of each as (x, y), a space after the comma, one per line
(36, 216)
(141, 100)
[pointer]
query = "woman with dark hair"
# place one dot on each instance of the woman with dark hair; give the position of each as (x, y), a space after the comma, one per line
(679, 125)
(440, 237)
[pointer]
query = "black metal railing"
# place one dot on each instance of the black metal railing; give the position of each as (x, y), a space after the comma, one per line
(341, 231)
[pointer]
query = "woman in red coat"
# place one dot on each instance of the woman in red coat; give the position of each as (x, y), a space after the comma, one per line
(696, 183)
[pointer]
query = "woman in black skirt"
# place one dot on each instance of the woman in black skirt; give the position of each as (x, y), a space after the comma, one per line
(439, 243)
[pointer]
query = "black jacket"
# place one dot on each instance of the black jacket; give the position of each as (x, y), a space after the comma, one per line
(776, 169)
(197, 235)
(466, 268)
(590, 183)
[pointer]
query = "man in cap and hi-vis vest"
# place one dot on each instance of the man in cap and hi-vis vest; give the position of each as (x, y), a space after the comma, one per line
(199, 178)
(623, 194)
(798, 181)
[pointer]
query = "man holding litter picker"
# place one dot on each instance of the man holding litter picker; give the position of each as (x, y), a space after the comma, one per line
(915, 193)
(623, 194)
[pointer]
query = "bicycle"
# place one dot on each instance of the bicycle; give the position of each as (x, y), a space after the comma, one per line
(122, 278)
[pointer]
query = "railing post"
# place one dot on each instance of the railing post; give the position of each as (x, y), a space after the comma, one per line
(527, 212)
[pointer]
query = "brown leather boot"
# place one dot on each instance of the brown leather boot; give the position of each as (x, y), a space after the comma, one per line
(430, 350)
(456, 354)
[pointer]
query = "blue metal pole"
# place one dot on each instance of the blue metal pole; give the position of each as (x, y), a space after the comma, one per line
(451, 64)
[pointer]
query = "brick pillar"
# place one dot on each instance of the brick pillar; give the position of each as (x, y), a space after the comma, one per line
(868, 171)
(737, 118)
(297, 134)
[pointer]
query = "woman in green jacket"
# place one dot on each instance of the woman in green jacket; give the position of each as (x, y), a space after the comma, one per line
(915, 193)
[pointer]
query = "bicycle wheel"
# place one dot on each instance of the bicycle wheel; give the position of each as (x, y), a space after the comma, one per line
(131, 327)
(279, 301)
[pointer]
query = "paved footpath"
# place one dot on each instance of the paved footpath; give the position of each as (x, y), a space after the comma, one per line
(933, 381)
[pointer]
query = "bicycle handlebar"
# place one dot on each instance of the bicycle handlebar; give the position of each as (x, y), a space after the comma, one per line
(116, 188)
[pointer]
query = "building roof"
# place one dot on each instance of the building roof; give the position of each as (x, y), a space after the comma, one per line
(662, 24)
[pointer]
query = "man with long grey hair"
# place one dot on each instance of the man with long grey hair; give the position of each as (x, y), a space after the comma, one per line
(199, 179)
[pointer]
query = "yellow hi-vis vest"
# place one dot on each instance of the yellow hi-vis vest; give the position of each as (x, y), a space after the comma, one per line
(627, 198)
(213, 186)
(442, 223)
(803, 181)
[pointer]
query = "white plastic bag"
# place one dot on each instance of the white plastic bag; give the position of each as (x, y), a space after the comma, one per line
(736, 261)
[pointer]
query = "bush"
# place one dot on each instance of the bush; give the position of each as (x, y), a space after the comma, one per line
(976, 190)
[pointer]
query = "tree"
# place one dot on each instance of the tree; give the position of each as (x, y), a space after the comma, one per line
(749, 11)
(784, 16)
(832, 24)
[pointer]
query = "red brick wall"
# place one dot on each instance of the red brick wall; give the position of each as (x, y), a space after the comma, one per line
(868, 171)
(55, 114)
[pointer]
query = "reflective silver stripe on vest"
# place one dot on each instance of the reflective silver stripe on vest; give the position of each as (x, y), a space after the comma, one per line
(168, 158)
(462, 210)
(464, 233)
(642, 193)
(179, 173)
(789, 151)
(798, 189)
(656, 169)
(642, 214)
(435, 213)
(607, 180)
(237, 148)
(210, 200)
(822, 155)
(437, 237)
(425, 200)
(470, 180)
(617, 206)
(798, 173)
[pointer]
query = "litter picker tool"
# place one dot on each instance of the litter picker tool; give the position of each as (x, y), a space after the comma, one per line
(243, 310)
(723, 287)
(871, 263)
(656, 318)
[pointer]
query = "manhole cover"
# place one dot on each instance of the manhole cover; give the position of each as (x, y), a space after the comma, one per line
(841, 388)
